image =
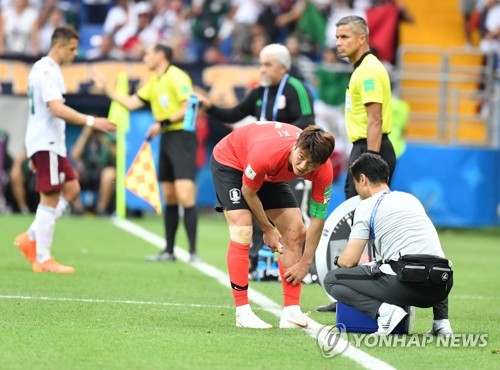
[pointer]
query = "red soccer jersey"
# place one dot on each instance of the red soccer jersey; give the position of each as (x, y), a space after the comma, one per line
(261, 150)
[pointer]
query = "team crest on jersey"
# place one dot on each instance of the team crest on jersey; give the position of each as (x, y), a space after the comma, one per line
(235, 195)
(281, 102)
(250, 173)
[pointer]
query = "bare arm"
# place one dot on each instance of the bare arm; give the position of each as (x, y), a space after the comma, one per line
(272, 238)
(374, 128)
(131, 102)
(61, 110)
(293, 15)
(352, 254)
(296, 273)
(155, 128)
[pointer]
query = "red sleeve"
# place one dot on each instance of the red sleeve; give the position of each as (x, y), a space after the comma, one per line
(322, 180)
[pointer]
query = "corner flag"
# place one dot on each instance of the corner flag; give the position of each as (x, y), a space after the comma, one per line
(141, 177)
(120, 115)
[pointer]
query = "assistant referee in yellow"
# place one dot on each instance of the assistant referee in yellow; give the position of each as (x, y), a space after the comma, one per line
(167, 92)
(368, 110)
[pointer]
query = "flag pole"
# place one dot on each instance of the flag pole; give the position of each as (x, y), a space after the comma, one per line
(120, 115)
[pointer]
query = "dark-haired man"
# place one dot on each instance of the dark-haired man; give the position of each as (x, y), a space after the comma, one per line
(251, 168)
(167, 91)
(46, 147)
(279, 97)
(395, 224)
(368, 111)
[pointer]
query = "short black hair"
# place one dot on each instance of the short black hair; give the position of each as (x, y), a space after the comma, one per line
(373, 166)
(165, 49)
(319, 143)
(64, 34)
(357, 23)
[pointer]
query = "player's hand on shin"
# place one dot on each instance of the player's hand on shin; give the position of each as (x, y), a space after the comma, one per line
(296, 273)
(103, 124)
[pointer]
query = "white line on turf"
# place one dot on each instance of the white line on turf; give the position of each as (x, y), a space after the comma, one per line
(95, 300)
(264, 302)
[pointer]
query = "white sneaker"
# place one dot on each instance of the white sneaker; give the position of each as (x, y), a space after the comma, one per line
(250, 320)
(390, 320)
(298, 320)
(441, 328)
(292, 319)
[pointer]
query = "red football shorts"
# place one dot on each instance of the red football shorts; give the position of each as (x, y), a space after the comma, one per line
(52, 171)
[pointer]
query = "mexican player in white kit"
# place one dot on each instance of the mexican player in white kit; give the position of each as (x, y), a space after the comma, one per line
(46, 147)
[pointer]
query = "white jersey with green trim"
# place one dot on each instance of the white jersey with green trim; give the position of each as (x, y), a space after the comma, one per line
(45, 132)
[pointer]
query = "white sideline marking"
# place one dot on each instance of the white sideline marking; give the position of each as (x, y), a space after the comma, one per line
(93, 300)
(355, 354)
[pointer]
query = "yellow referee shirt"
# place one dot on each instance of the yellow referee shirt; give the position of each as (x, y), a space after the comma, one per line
(369, 83)
(166, 94)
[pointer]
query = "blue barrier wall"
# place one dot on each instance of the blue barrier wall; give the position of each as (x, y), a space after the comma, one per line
(457, 186)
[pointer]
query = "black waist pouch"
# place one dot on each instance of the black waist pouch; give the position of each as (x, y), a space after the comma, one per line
(422, 269)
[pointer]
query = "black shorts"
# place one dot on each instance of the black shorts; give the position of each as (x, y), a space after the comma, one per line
(228, 182)
(177, 156)
(359, 147)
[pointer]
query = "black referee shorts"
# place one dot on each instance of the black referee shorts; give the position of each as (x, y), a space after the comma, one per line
(177, 156)
(228, 182)
(359, 147)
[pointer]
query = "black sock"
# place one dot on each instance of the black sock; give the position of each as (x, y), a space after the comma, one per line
(191, 225)
(171, 219)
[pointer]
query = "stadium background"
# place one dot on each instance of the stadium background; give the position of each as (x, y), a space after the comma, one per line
(452, 159)
(118, 312)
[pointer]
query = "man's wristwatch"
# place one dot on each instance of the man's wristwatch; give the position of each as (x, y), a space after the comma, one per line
(165, 123)
(336, 260)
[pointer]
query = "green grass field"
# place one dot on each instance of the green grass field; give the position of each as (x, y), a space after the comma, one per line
(118, 312)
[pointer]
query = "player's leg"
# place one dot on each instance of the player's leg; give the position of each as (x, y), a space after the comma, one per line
(170, 222)
(70, 191)
(171, 209)
(52, 172)
(227, 182)
(185, 192)
(238, 261)
(289, 223)
(283, 210)
(182, 154)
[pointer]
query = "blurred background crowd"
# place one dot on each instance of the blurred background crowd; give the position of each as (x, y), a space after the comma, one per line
(212, 31)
